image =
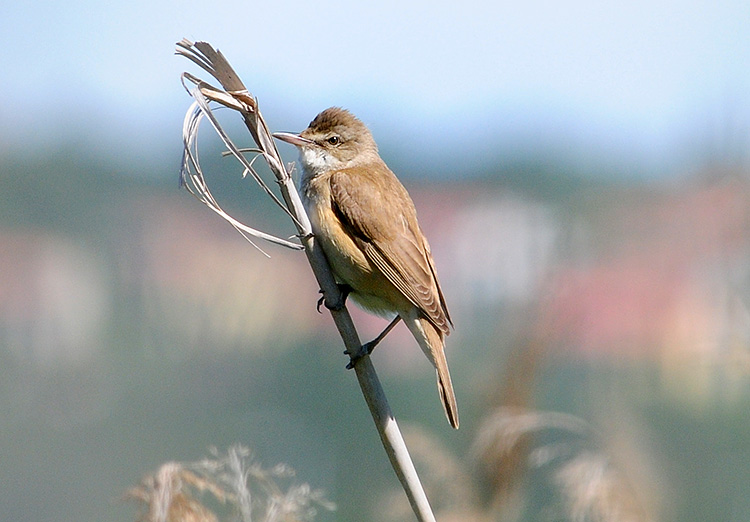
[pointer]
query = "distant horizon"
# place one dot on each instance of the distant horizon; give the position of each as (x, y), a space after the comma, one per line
(566, 141)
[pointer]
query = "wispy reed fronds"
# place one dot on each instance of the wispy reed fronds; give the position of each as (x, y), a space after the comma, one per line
(191, 173)
(559, 459)
(237, 486)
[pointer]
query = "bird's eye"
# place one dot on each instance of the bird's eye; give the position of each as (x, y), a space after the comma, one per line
(334, 140)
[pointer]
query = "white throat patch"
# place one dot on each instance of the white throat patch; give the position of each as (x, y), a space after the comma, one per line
(316, 161)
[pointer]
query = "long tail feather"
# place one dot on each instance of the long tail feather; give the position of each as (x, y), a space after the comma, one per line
(431, 340)
(444, 384)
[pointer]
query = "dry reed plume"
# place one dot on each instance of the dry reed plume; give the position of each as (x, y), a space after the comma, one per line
(236, 487)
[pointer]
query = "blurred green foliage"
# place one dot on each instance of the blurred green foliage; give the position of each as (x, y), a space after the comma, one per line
(80, 428)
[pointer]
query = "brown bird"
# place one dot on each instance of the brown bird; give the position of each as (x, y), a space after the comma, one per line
(367, 225)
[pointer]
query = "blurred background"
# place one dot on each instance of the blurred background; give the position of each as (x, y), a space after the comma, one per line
(580, 169)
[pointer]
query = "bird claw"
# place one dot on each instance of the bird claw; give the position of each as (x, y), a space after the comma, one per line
(354, 359)
(345, 291)
(320, 302)
(365, 349)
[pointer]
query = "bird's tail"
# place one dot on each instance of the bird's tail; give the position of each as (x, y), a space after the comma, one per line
(432, 343)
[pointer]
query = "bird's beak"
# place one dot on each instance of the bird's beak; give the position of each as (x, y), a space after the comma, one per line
(294, 139)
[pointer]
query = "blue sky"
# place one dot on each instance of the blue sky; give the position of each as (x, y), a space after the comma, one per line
(639, 80)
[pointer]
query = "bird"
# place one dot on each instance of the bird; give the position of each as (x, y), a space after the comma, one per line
(366, 223)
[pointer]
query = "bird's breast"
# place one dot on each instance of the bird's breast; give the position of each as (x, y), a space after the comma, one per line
(371, 289)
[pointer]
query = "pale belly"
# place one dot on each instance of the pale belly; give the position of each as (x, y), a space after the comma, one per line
(371, 289)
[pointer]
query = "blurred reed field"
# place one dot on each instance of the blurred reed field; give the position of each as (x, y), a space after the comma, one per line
(601, 355)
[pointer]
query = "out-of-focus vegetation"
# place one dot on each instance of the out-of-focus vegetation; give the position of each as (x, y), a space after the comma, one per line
(234, 483)
(601, 355)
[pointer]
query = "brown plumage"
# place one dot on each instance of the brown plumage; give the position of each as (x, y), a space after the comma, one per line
(367, 226)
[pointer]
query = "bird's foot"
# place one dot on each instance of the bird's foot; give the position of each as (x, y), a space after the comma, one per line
(365, 349)
(345, 291)
(368, 347)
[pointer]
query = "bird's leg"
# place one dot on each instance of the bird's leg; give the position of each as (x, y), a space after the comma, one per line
(345, 291)
(367, 348)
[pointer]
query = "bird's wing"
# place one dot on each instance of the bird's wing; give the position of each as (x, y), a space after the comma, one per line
(378, 212)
